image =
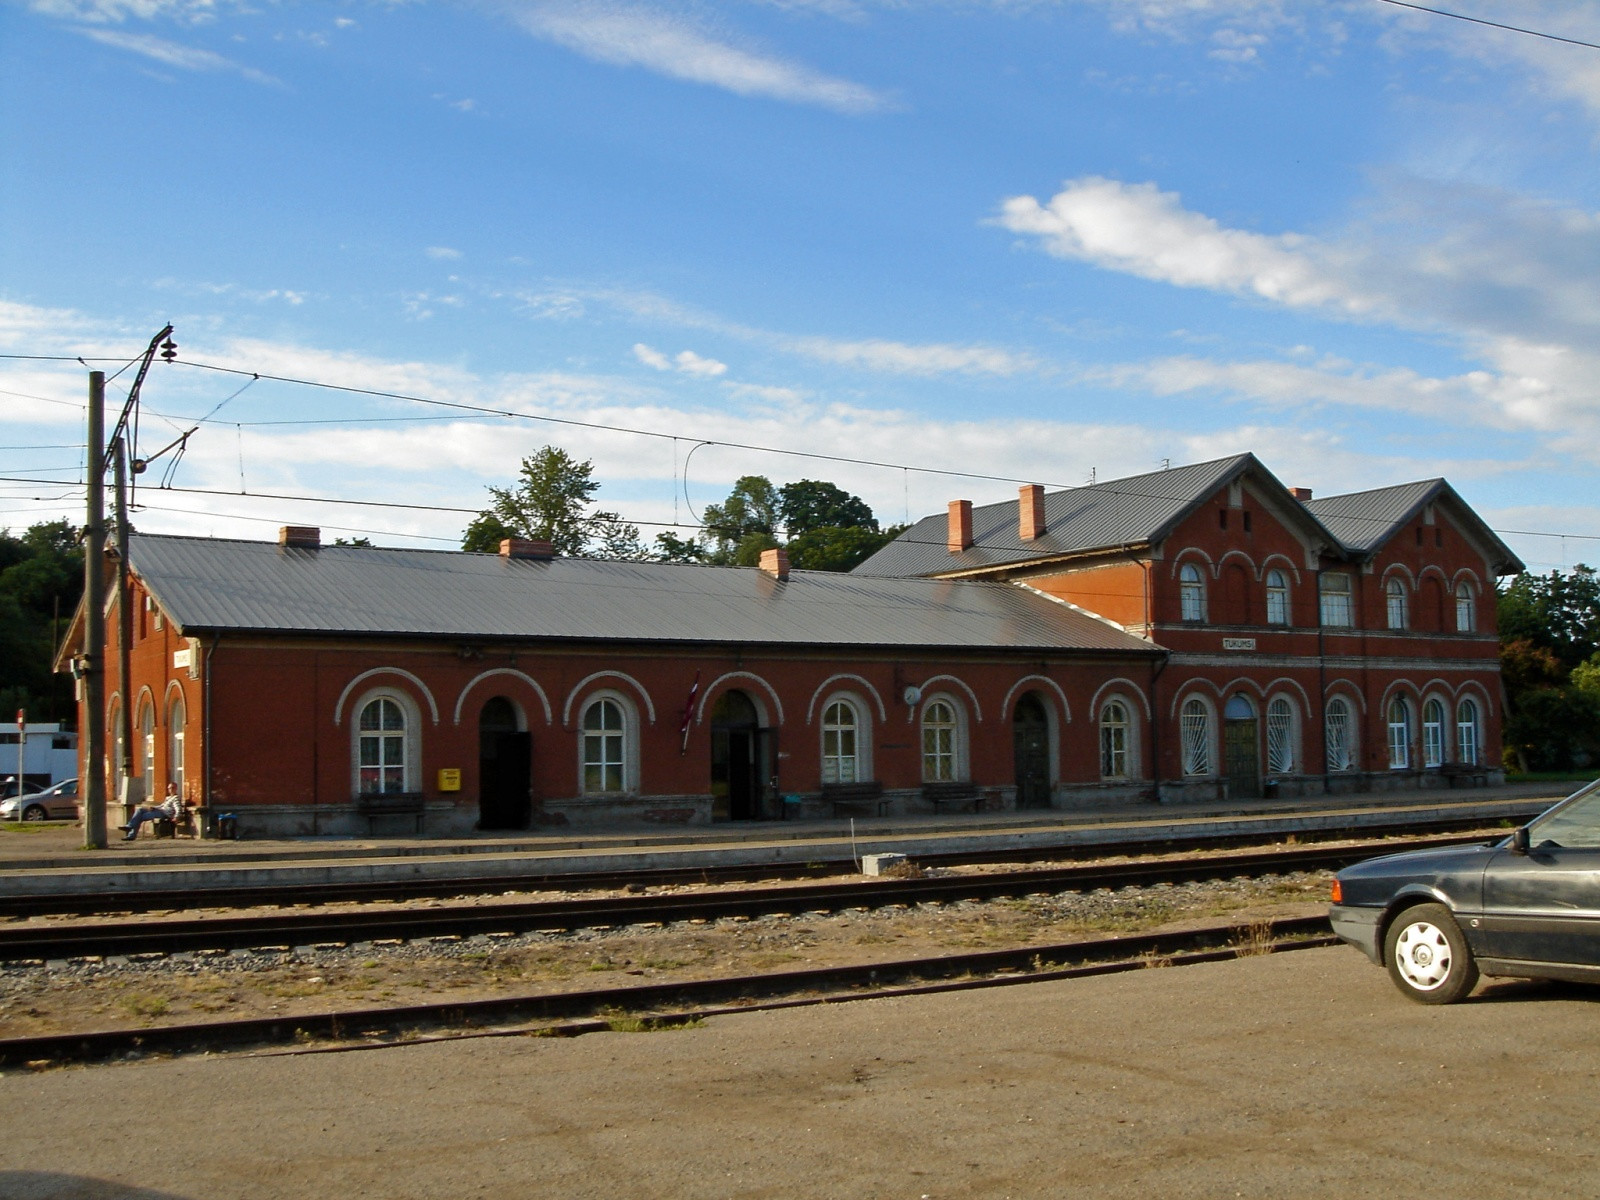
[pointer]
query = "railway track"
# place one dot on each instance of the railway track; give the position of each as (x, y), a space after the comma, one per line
(149, 900)
(665, 1005)
(318, 927)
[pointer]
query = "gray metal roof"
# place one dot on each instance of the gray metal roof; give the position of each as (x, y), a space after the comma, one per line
(1119, 512)
(211, 584)
(1364, 521)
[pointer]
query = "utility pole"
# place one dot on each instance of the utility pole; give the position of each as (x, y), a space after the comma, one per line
(94, 630)
(124, 766)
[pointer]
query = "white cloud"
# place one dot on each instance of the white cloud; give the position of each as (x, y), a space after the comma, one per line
(172, 54)
(443, 252)
(901, 358)
(679, 48)
(651, 358)
(692, 364)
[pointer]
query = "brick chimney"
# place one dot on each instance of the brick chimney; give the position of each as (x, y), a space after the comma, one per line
(776, 563)
(303, 537)
(1300, 494)
(1030, 511)
(527, 548)
(960, 525)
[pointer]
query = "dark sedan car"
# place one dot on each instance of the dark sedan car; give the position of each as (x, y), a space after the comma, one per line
(1526, 906)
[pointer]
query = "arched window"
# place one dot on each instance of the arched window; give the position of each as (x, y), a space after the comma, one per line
(1398, 605)
(147, 748)
(1432, 733)
(175, 721)
(1339, 735)
(941, 743)
(841, 757)
(1280, 737)
(1277, 598)
(381, 734)
(1399, 734)
(1192, 593)
(114, 773)
(1467, 731)
(1466, 608)
(605, 758)
(1196, 726)
(1114, 759)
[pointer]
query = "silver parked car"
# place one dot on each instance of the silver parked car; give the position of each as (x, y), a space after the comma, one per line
(58, 803)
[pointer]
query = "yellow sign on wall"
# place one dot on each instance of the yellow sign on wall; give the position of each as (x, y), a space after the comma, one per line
(449, 779)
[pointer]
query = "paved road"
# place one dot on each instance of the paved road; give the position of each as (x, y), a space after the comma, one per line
(1298, 1075)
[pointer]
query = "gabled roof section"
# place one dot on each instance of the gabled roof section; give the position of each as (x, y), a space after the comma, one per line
(1365, 521)
(217, 585)
(1102, 516)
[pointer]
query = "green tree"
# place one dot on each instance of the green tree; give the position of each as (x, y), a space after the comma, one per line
(672, 548)
(752, 507)
(1559, 612)
(551, 502)
(835, 547)
(812, 504)
(41, 578)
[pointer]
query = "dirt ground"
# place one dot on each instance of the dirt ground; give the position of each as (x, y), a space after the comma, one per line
(83, 995)
(1301, 1075)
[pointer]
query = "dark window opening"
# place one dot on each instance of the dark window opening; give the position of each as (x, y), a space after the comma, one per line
(1247, 522)
(1222, 518)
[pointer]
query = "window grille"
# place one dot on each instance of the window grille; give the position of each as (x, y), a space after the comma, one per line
(939, 743)
(1280, 737)
(1196, 724)
(1341, 755)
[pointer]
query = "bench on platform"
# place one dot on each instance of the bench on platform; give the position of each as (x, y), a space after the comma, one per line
(844, 796)
(961, 795)
(1465, 774)
(374, 805)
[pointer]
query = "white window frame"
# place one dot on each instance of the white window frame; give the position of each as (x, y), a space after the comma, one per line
(177, 716)
(1277, 598)
(147, 747)
(1466, 608)
(1398, 721)
(388, 743)
(1469, 731)
(411, 778)
(1116, 739)
(947, 755)
(1281, 740)
(1397, 603)
(608, 747)
(1433, 720)
(1194, 724)
(1191, 593)
(1339, 730)
(1337, 609)
(845, 747)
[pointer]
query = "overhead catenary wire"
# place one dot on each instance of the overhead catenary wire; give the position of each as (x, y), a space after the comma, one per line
(1455, 16)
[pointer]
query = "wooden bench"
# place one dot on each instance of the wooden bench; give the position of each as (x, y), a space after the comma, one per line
(1465, 774)
(183, 825)
(845, 796)
(374, 805)
(963, 795)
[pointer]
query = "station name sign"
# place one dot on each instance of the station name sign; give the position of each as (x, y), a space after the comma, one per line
(1238, 643)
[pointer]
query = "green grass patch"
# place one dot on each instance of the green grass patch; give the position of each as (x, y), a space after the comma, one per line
(1549, 776)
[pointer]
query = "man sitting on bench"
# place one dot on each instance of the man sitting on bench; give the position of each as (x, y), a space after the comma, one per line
(169, 809)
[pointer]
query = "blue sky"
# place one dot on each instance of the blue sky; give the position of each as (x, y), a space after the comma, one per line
(1043, 241)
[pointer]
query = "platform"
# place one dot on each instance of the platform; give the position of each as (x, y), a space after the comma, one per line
(50, 860)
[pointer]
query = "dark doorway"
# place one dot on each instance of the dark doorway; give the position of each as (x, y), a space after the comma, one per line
(1030, 740)
(739, 751)
(505, 761)
(1241, 755)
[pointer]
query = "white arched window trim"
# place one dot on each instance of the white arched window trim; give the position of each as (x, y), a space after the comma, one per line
(1339, 735)
(839, 753)
(1119, 740)
(591, 741)
(945, 757)
(1191, 592)
(412, 750)
(1283, 736)
(177, 720)
(1197, 737)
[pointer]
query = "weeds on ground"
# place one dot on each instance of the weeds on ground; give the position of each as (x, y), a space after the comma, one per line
(1253, 940)
(142, 1004)
(905, 869)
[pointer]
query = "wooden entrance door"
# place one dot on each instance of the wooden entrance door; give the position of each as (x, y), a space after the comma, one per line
(1241, 759)
(1030, 742)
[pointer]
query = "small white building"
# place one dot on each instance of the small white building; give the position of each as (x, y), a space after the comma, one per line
(49, 754)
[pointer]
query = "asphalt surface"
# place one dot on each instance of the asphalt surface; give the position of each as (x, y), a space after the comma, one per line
(1294, 1075)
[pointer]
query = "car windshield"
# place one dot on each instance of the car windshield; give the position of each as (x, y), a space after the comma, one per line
(1576, 824)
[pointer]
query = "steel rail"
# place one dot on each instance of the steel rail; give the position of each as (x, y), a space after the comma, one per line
(247, 896)
(685, 999)
(311, 927)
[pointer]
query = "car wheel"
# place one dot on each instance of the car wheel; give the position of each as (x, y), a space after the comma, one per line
(1428, 957)
(35, 812)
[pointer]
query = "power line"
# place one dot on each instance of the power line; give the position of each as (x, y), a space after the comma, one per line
(1440, 12)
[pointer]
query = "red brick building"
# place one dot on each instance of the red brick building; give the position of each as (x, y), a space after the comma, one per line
(1190, 634)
